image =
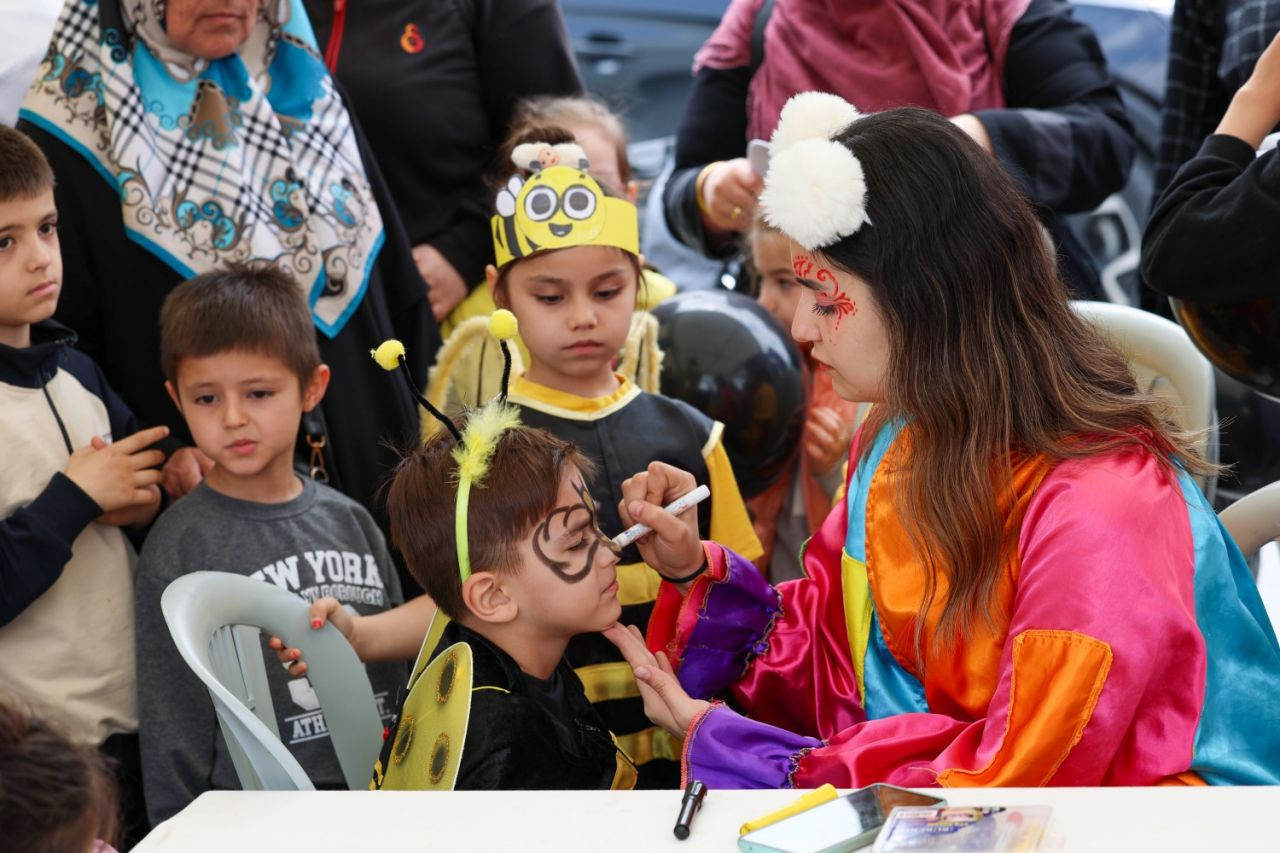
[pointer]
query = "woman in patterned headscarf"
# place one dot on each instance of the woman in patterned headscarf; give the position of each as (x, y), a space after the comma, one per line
(187, 134)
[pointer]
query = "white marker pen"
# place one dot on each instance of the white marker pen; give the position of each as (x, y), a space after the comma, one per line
(676, 507)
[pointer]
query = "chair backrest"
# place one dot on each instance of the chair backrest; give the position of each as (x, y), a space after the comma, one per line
(1166, 363)
(214, 619)
(1254, 520)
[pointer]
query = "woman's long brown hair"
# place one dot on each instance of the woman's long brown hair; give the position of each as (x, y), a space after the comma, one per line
(987, 357)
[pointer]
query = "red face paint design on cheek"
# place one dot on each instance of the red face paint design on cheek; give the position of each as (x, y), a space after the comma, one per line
(801, 266)
(836, 302)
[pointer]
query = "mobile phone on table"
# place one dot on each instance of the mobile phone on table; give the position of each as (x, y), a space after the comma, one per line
(845, 823)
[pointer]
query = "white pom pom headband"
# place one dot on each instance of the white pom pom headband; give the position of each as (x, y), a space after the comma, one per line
(815, 192)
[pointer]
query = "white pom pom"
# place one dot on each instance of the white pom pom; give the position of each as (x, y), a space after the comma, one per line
(815, 193)
(811, 115)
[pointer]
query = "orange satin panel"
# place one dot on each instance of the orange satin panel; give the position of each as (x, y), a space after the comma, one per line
(1187, 779)
(962, 675)
(1057, 678)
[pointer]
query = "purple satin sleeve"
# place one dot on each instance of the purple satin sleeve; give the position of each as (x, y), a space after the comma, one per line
(726, 750)
(732, 629)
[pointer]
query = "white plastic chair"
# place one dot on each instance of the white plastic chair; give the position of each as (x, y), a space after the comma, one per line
(214, 619)
(1254, 520)
(1165, 362)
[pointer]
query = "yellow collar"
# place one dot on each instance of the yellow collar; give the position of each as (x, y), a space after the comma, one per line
(570, 406)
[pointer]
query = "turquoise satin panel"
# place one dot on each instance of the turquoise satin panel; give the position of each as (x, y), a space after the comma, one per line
(890, 688)
(855, 543)
(1238, 739)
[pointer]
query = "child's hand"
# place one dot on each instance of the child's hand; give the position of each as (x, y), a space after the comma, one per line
(323, 610)
(827, 437)
(122, 474)
(1255, 109)
(666, 703)
(674, 547)
(184, 471)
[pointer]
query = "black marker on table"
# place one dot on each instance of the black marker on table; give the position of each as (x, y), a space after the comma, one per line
(692, 801)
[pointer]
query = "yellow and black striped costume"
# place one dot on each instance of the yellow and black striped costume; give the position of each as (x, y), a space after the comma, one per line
(622, 433)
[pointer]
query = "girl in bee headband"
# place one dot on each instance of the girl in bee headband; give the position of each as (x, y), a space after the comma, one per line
(568, 267)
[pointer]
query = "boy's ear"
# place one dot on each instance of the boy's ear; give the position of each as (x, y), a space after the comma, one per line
(313, 393)
(485, 596)
(173, 394)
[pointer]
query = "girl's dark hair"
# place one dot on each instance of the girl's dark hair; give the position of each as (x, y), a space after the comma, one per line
(519, 491)
(54, 796)
(987, 357)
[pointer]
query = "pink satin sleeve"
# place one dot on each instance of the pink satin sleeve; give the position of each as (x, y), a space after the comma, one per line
(1101, 680)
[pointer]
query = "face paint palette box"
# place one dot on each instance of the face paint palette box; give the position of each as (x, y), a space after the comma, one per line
(969, 828)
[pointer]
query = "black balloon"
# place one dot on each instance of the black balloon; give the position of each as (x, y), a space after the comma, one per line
(728, 357)
(1242, 340)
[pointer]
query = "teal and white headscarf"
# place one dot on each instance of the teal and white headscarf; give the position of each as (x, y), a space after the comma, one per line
(248, 158)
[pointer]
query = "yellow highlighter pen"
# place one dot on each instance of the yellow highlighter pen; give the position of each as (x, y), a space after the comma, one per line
(816, 797)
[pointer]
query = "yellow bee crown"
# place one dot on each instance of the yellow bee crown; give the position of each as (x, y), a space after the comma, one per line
(558, 206)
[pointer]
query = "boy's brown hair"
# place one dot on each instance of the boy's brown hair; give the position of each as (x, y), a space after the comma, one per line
(246, 307)
(24, 171)
(519, 491)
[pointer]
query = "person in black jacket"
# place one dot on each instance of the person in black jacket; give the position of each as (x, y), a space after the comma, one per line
(435, 84)
(1027, 81)
(1212, 235)
(182, 143)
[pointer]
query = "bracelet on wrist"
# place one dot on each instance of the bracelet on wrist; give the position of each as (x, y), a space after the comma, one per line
(692, 575)
(699, 183)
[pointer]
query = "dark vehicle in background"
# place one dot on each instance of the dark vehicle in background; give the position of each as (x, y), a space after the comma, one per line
(637, 55)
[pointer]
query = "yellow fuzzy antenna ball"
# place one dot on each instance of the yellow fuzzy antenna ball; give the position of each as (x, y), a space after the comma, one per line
(388, 354)
(503, 325)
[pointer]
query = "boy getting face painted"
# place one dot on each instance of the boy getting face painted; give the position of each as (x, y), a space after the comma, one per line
(525, 569)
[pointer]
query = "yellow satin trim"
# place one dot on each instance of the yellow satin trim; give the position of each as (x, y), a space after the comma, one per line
(1057, 679)
(562, 404)
(605, 681)
(624, 774)
(637, 584)
(857, 615)
(730, 522)
(961, 680)
(644, 746)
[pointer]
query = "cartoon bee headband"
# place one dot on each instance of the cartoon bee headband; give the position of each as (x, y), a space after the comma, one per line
(476, 442)
(558, 206)
(815, 191)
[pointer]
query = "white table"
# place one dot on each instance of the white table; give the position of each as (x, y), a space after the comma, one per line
(1085, 819)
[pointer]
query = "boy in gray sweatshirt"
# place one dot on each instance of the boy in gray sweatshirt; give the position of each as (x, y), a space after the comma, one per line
(240, 355)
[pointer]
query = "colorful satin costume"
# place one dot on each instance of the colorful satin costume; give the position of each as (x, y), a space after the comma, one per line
(622, 433)
(1133, 648)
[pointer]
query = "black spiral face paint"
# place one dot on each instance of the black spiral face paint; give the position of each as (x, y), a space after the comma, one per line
(571, 519)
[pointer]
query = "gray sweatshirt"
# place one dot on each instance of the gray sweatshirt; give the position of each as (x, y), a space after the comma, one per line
(321, 543)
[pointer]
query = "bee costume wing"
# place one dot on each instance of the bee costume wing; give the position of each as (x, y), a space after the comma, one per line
(424, 751)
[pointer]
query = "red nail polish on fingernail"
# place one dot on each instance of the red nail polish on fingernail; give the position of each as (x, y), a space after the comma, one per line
(317, 622)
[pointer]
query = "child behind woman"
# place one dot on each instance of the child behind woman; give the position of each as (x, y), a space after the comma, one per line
(790, 510)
